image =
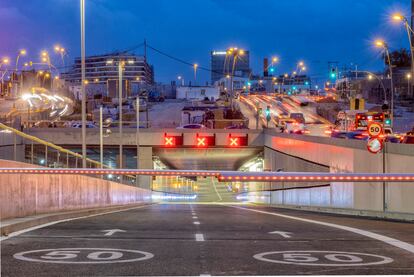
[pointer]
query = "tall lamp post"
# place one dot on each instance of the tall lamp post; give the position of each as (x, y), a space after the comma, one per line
(400, 18)
(83, 73)
(236, 53)
(195, 66)
(382, 44)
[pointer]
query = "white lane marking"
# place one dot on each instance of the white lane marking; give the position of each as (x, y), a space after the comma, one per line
(195, 217)
(196, 223)
(17, 233)
(112, 231)
(215, 188)
(283, 234)
(199, 237)
(394, 242)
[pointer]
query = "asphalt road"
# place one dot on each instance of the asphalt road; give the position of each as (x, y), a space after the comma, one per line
(176, 239)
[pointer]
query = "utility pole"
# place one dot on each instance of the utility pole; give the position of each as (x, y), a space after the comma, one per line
(82, 10)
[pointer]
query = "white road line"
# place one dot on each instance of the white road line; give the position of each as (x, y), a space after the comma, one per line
(214, 186)
(199, 237)
(394, 242)
(196, 222)
(17, 233)
(195, 217)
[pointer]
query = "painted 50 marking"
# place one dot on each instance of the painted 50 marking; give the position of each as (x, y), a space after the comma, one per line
(322, 258)
(83, 256)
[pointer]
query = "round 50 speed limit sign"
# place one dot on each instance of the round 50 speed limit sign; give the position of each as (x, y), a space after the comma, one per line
(374, 129)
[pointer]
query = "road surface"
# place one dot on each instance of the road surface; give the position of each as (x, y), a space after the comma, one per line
(179, 239)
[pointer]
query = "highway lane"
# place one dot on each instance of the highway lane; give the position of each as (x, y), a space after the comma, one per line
(316, 124)
(197, 239)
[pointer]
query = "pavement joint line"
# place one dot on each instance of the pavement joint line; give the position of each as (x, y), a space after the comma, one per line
(196, 222)
(388, 240)
(199, 237)
(17, 233)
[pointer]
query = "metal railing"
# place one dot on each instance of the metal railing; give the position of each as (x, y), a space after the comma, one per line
(46, 154)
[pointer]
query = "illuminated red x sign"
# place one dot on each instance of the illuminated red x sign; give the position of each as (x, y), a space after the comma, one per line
(169, 141)
(234, 141)
(201, 142)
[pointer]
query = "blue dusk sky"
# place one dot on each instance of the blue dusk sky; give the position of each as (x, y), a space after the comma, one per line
(315, 31)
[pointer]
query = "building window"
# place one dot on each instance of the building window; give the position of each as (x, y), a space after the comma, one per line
(203, 92)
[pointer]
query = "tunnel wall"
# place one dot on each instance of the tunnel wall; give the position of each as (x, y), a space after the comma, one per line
(306, 153)
(32, 194)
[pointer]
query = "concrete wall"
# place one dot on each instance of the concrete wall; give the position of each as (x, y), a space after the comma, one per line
(306, 153)
(31, 194)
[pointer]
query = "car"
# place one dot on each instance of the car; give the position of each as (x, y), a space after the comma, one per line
(337, 133)
(408, 139)
(88, 125)
(298, 117)
(192, 126)
(358, 135)
(295, 128)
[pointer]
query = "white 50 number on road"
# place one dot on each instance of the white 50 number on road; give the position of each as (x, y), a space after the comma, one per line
(83, 256)
(322, 258)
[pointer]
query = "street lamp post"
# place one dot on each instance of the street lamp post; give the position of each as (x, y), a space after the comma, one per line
(400, 18)
(83, 73)
(409, 83)
(236, 53)
(382, 44)
(195, 73)
(137, 136)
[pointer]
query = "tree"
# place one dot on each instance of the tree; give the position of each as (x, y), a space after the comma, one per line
(399, 58)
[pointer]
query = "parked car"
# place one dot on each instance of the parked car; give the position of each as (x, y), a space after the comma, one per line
(192, 126)
(358, 135)
(295, 128)
(88, 125)
(408, 139)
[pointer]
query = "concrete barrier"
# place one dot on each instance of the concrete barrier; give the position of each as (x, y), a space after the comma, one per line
(31, 194)
(307, 153)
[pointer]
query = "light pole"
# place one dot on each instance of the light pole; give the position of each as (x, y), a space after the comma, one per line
(137, 136)
(21, 53)
(180, 78)
(195, 66)
(400, 18)
(409, 83)
(62, 52)
(382, 44)
(236, 53)
(83, 73)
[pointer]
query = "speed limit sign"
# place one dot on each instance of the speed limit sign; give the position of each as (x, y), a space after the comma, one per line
(374, 129)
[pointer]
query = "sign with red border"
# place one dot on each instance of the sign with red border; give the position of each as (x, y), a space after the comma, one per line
(374, 145)
(375, 129)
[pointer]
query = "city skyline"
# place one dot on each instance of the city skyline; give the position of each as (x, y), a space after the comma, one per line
(275, 29)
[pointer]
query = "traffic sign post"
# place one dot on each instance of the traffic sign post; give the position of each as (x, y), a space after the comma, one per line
(375, 144)
(375, 129)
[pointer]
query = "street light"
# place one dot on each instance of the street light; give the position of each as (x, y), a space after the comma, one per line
(61, 51)
(21, 53)
(195, 66)
(180, 78)
(409, 82)
(236, 53)
(382, 44)
(398, 17)
(83, 73)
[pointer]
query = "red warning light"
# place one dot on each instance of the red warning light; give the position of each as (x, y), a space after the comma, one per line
(237, 141)
(201, 142)
(205, 141)
(172, 141)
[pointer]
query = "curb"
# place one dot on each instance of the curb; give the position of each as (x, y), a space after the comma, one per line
(40, 220)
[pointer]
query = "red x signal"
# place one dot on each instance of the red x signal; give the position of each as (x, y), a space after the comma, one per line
(234, 141)
(201, 142)
(169, 141)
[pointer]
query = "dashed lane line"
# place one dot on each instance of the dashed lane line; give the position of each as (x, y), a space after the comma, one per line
(196, 222)
(199, 237)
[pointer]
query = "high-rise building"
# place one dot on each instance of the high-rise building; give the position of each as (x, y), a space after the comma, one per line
(222, 65)
(103, 68)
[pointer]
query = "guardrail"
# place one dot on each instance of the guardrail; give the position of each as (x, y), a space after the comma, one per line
(60, 151)
(230, 176)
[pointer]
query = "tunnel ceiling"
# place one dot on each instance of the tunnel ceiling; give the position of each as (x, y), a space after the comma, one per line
(205, 159)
